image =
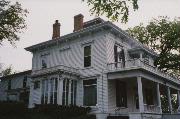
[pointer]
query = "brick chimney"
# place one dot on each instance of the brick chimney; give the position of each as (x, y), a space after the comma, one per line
(56, 30)
(78, 22)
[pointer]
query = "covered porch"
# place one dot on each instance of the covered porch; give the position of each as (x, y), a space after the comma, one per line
(140, 94)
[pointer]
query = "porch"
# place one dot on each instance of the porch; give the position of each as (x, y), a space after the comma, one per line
(145, 89)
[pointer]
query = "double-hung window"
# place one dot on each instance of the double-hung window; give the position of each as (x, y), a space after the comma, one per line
(44, 96)
(69, 92)
(87, 56)
(49, 91)
(90, 92)
(119, 56)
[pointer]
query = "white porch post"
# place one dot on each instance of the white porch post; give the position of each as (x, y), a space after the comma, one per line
(60, 90)
(158, 97)
(178, 95)
(169, 99)
(140, 94)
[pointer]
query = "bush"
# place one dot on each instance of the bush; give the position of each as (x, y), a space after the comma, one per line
(12, 110)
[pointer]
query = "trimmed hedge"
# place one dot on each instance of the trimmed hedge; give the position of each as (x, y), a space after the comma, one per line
(19, 111)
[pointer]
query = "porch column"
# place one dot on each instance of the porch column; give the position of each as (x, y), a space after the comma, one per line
(159, 97)
(60, 90)
(141, 55)
(140, 94)
(169, 99)
(178, 96)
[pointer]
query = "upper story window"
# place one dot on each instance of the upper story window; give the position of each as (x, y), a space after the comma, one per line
(25, 82)
(90, 92)
(9, 84)
(44, 61)
(87, 56)
(119, 55)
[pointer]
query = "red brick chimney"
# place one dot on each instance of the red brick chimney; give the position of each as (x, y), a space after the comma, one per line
(56, 30)
(78, 22)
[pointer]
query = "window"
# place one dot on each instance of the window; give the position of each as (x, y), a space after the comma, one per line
(44, 96)
(49, 86)
(87, 56)
(44, 61)
(119, 55)
(25, 82)
(90, 92)
(69, 92)
(121, 94)
(65, 92)
(9, 84)
(73, 92)
(53, 91)
(36, 84)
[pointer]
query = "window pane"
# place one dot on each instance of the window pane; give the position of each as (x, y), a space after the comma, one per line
(90, 92)
(87, 61)
(87, 50)
(87, 56)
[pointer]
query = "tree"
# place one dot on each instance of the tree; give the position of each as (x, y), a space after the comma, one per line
(113, 9)
(12, 21)
(8, 71)
(163, 36)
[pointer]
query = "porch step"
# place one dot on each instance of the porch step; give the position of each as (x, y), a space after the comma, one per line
(118, 117)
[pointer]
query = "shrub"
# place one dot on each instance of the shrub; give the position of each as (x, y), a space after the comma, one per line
(14, 110)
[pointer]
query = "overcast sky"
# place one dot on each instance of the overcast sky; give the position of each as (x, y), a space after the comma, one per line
(43, 13)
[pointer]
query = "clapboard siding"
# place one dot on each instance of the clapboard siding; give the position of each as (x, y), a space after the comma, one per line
(71, 54)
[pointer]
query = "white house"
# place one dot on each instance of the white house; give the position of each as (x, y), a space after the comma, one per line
(101, 66)
(15, 87)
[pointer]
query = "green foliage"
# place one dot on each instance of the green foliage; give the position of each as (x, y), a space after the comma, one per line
(12, 110)
(165, 104)
(11, 21)
(163, 36)
(113, 9)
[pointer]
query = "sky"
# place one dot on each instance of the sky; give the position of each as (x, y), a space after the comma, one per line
(43, 13)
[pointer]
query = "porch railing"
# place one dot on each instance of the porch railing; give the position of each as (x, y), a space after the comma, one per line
(152, 108)
(55, 69)
(138, 63)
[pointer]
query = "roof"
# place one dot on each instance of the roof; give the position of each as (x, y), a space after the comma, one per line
(97, 26)
(137, 49)
(16, 74)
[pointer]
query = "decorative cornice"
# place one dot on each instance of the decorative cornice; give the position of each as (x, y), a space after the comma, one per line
(80, 33)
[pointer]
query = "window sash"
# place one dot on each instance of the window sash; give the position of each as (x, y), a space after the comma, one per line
(87, 56)
(49, 91)
(90, 92)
